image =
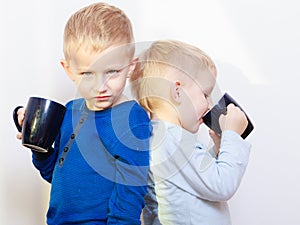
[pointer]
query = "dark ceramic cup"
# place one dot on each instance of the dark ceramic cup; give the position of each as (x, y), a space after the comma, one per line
(211, 118)
(43, 118)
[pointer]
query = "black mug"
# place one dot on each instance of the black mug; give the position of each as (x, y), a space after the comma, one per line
(43, 119)
(211, 118)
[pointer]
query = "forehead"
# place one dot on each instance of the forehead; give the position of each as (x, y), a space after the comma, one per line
(206, 79)
(85, 57)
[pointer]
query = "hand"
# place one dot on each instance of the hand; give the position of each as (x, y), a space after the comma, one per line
(217, 141)
(21, 115)
(234, 120)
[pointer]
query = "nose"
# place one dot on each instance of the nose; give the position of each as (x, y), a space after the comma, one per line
(209, 105)
(207, 110)
(209, 102)
(100, 84)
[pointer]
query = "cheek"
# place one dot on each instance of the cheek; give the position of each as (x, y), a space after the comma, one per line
(195, 99)
(84, 87)
(201, 105)
(190, 108)
(117, 84)
(204, 109)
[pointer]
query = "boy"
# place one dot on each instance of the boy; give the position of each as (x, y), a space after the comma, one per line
(99, 165)
(173, 82)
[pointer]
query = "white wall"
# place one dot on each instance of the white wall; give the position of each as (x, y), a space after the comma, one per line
(255, 45)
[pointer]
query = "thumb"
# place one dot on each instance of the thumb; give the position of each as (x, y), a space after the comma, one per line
(19, 135)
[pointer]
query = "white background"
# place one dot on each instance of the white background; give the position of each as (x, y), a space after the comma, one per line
(255, 45)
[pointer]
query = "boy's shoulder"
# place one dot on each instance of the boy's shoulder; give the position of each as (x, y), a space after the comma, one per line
(133, 108)
(131, 104)
(75, 103)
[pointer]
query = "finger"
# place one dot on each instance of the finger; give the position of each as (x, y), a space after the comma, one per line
(231, 106)
(21, 111)
(21, 115)
(212, 133)
(216, 137)
(19, 135)
(222, 121)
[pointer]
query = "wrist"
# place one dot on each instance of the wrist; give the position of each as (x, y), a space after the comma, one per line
(42, 155)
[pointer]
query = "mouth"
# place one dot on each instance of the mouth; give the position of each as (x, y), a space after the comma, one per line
(102, 98)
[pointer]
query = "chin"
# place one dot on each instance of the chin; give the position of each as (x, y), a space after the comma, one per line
(194, 129)
(103, 105)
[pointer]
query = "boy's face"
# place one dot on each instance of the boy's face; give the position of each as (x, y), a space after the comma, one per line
(195, 101)
(100, 76)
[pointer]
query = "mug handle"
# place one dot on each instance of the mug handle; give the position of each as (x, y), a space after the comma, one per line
(15, 117)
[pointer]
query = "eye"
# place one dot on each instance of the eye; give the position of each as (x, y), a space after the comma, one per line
(86, 74)
(112, 72)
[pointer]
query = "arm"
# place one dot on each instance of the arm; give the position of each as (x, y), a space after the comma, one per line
(45, 162)
(196, 170)
(222, 178)
(216, 179)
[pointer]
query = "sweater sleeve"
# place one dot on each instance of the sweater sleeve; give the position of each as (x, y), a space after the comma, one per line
(45, 162)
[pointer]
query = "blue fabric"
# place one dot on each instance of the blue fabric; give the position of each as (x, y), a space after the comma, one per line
(100, 181)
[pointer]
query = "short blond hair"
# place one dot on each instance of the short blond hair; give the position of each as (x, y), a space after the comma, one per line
(156, 61)
(97, 27)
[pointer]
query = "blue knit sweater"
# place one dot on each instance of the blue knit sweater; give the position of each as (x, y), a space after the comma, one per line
(98, 181)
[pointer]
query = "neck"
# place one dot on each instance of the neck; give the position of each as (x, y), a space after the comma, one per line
(169, 115)
(122, 98)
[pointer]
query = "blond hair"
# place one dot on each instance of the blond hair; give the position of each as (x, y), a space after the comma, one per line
(97, 27)
(154, 65)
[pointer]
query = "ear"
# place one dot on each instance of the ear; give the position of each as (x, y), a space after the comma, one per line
(66, 67)
(176, 91)
(132, 66)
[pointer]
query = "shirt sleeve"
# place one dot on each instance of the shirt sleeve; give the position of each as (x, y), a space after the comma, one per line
(210, 178)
